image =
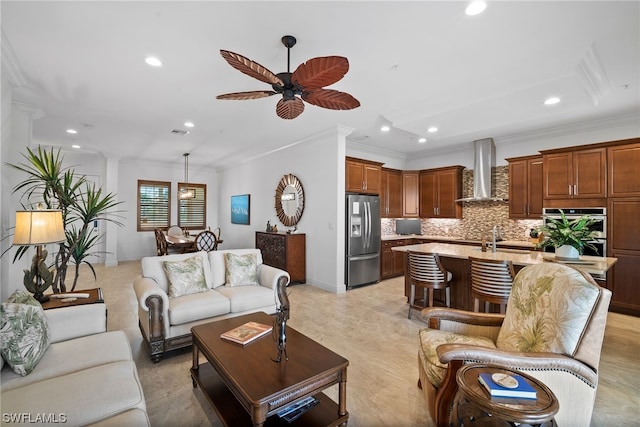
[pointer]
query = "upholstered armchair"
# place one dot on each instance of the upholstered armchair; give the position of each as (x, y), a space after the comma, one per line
(552, 330)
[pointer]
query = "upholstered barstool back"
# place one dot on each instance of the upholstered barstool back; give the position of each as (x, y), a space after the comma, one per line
(426, 272)
(491, 282)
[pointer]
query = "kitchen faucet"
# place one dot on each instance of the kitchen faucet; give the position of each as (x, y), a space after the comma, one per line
(496, 231)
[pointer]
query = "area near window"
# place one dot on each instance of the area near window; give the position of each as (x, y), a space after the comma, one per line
(192, 213)
(154, 205)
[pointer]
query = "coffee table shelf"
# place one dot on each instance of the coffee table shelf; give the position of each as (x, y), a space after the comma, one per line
(231, 412)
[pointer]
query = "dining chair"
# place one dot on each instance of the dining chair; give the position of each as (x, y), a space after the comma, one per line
(491, 282)
(174, 230)
(206, 241)
(426, 272)
(161, 242)
(217, 232)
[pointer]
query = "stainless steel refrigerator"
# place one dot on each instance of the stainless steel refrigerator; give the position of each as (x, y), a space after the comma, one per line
(362, 265)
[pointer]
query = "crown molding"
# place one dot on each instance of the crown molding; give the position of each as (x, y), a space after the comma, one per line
(376, 150)
(10, 64)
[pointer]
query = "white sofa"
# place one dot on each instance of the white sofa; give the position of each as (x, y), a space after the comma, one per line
(87, 376)
(166, 322)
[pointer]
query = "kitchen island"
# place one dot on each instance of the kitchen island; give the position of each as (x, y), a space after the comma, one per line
(455, 258)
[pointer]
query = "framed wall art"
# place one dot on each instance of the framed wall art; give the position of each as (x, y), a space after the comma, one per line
(240, 209)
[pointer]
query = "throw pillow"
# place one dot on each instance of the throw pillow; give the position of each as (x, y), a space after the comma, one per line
(24, 332)
(185, 277)
(241, 270)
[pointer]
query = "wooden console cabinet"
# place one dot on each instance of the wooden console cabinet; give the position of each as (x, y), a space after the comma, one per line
(284, 251)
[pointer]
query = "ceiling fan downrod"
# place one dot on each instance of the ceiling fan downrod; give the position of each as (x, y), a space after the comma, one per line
(289, 42)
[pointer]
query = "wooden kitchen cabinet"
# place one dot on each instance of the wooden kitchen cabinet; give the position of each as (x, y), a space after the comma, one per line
(391, 194)
(439, 190)
(525, 187)
(410, 194)
(575, 174)
(363, 176)
(284, 251)
(622, 170)
(623, 224)
(392, 263)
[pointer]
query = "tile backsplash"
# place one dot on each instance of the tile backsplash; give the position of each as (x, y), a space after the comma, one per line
(478, 218)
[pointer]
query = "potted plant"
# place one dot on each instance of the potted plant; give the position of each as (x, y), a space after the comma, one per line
(569, 237)
(82, 203)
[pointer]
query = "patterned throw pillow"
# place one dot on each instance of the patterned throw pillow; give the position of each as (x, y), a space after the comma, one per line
(241, 270)
(24, 333)
(185, 277)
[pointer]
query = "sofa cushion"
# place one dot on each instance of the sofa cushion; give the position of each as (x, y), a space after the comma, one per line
(82, 397)
(430, 339)
(24, 333)
(73, 355)
(243, 298)
(189, 308)
(549, 307)
(153, 268)
(217, 262)
(185, 277)
(241, 270)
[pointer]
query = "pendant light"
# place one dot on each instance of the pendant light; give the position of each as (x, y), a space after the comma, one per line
(186, 193)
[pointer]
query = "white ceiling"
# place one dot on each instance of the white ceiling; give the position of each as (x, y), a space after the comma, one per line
(413, 64)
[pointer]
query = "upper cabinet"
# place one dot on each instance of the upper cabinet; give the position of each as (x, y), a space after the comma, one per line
(622, 168)
(363, 176)
(525, 187)
(575, 174)
(410, 194)
(439, 190)
(391, 194)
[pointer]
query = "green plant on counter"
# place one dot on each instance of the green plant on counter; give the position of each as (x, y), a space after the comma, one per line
(559, 232)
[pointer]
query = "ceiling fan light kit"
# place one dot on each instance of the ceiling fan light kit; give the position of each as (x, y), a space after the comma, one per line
(306, 83)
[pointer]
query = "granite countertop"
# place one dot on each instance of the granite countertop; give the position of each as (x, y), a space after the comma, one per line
(519, 243)
(590, 264)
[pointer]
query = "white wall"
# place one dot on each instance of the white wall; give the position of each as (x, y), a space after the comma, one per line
(318, 162)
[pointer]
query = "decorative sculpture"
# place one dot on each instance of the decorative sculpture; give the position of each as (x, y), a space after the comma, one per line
(282, 316)
(39, 277)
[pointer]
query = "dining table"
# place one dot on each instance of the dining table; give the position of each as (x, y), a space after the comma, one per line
(182, 243)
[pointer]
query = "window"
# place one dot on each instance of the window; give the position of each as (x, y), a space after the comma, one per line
(154, 205)
(192, 213)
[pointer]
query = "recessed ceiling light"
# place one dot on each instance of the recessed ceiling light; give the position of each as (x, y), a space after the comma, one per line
(385, 128)
(432, 129)
(475, 8)
(72, 131)
(551, 101)
(189, 124)
(153, 61)
(422, 140)
(75, 146)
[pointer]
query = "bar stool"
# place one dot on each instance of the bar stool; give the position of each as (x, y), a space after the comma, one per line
(426, 271)
(491, 282)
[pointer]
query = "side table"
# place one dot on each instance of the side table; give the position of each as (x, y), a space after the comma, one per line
(474, 405)
(95, 296)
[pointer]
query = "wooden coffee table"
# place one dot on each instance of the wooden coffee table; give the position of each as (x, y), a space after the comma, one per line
(474, 406)
(246, 387)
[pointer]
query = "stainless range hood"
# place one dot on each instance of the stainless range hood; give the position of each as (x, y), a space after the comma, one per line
(484, 163)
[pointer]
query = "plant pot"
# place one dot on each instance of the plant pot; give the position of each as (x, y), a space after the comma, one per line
(567, 252)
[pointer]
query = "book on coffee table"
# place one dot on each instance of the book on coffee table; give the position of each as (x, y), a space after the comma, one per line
(247, 332)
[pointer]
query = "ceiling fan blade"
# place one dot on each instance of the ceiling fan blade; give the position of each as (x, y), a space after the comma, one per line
(290, 108)
(320, 72)
(241, 96)
(332, 99)
(250, 68)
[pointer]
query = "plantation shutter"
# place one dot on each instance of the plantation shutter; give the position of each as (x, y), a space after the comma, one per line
(154, 205)
(192, 213)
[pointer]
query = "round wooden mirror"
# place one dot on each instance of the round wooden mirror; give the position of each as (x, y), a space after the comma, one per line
(289, 200)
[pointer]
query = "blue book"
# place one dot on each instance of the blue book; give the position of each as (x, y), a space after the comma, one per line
(503, 385)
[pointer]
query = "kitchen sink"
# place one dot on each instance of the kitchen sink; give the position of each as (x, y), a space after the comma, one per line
(507, 250)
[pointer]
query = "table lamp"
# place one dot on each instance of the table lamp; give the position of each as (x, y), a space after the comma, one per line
(37, 228)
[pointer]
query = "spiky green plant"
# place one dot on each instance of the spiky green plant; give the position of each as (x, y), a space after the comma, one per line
(576, 232)
(58, 187)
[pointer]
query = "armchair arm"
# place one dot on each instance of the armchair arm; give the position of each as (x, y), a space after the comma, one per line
(268, 276)
(66, 323)
(517, 360)
(463, 322)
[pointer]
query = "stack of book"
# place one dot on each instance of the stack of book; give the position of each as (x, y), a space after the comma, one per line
(247, 332)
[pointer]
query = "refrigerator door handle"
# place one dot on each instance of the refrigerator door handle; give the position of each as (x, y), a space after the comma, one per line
(368, 224)
(364, 257)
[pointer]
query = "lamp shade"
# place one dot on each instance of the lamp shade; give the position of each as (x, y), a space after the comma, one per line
(38, 227)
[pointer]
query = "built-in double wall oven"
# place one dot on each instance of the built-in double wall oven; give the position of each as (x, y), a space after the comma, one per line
(599, 226)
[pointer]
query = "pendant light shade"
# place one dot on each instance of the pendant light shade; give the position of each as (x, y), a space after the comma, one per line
(186, 192)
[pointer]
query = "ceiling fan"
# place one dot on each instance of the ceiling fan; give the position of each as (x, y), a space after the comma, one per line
(307, 82)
